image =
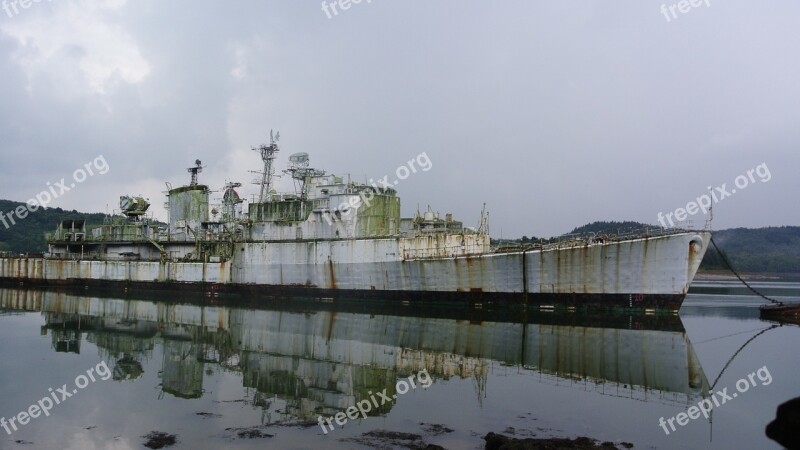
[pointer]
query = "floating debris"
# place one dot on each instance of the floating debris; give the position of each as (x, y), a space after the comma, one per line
(253, 434)
(159, 439)
(250, 433)
(392, 439)
(496, 441)
(435, 429)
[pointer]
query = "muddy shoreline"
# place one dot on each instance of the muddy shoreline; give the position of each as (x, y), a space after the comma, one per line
(726, 275)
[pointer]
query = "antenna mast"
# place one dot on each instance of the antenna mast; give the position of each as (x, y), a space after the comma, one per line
(194, 171)
(268, 156)
(710, 216)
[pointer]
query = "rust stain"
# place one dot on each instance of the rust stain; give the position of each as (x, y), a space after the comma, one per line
(331, 320)
(471, 274)
(694, 251)
(333, 276)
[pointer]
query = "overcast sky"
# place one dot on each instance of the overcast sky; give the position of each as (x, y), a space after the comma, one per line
(553, 113)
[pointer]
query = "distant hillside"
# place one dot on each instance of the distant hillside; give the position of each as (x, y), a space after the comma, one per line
(585, 230)
(27, 235)
(771, 249)
(612, 227)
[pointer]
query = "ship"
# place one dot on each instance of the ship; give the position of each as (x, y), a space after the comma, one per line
(334, 238)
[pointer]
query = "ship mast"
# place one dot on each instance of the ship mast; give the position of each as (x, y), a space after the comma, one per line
(268, 156)
(194, 171)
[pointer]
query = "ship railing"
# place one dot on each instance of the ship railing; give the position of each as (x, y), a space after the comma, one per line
(451, 251)
(76, 256)
(653, 231)
(21, 255)
(583, 239)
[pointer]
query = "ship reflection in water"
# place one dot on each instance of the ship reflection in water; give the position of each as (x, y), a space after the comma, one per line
(319, 359)
(322, 362)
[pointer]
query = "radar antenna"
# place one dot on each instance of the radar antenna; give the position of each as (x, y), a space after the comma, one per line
(301, 172)
(268, 156)
(194, 171)
(133, 207)
(230, 200)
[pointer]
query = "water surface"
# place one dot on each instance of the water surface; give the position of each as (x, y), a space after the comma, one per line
(224, 376)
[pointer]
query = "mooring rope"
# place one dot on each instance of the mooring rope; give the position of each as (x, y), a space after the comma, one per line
(738, 351)
(727, 263)
(727, 336)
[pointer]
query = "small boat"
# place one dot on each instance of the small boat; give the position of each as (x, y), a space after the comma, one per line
(781, 312)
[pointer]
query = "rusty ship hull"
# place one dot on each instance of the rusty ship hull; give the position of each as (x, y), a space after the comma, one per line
(335, 238)
(646, 272)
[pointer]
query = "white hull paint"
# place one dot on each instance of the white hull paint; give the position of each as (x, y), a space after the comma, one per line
(660, 265)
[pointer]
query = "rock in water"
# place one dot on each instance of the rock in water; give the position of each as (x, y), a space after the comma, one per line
(784, 429)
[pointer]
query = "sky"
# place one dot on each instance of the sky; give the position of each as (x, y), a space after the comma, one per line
(552, 113)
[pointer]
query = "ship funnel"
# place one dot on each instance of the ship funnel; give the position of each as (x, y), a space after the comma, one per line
(188, 207)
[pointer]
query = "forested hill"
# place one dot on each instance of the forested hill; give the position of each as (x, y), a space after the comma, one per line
(771, 249)
(27, 235)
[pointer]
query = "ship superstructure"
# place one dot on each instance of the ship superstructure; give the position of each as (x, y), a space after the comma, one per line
(336, 237)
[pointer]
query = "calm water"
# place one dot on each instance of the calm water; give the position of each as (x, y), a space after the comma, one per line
(221, 376)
